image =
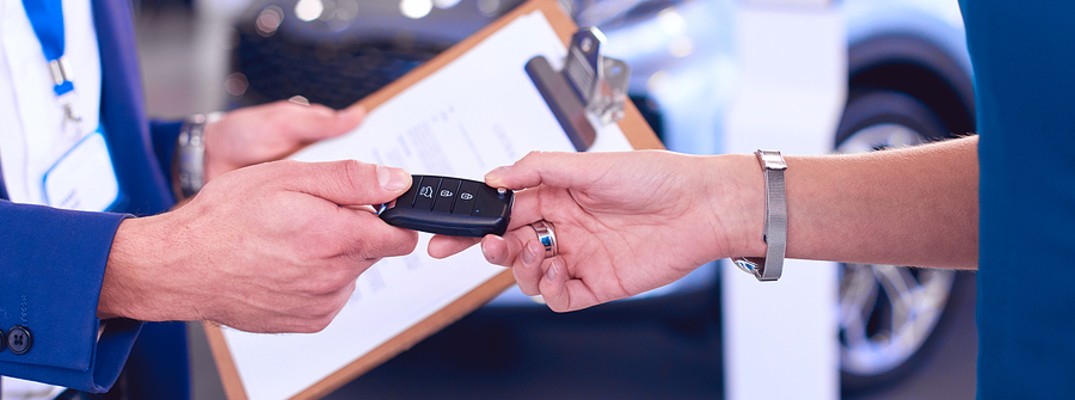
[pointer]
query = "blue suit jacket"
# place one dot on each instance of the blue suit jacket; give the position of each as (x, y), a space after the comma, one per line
(53, 260)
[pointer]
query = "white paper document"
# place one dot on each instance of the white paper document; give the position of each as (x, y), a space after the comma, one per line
(476, 113)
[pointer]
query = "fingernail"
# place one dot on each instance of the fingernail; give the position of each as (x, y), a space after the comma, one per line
(300, 100)
(528, 255)
(356, 110)
(485, 253)
(392, 179)
(551, 273)
(493, 177)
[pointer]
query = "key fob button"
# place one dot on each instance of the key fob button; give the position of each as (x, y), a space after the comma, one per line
(468, 192)
(490, 203)
(446, 195)
(426, 193)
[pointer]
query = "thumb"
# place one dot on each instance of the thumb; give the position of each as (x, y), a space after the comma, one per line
(558, 169)
(348, 119)
(347, 182)
(316, 122)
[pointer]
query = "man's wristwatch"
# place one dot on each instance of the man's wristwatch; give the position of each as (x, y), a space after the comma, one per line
(189, 164)
(775, 234)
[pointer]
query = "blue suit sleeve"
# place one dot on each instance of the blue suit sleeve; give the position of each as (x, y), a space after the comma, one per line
(165, 135)
(53, 264)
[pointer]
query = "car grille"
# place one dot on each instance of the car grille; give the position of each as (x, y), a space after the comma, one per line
(331, 73)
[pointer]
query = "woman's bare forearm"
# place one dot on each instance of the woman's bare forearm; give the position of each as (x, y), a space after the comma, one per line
(915, 206)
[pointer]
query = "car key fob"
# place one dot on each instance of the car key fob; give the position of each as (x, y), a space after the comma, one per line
(451, 206)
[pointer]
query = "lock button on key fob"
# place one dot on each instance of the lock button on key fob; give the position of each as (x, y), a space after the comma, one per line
(451, 206)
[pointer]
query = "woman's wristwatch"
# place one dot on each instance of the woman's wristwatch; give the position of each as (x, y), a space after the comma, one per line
(775, 234)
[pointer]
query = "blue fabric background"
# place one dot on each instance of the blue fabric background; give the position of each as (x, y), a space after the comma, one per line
(1024, 64)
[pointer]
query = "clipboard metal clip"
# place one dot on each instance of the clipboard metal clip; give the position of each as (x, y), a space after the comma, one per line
(590, 91)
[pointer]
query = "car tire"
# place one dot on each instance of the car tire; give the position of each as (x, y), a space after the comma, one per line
(887, 314)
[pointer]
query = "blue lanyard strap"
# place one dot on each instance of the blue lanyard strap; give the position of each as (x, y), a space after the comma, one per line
(46, 17)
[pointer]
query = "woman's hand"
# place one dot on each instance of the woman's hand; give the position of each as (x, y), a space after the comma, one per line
(624, 222)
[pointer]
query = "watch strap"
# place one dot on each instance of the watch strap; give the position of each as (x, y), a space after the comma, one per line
(775, 233)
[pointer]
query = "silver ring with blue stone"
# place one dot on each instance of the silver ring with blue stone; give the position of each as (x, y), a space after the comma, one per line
(547, 236)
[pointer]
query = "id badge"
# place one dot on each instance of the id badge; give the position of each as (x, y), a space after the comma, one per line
(83, 178)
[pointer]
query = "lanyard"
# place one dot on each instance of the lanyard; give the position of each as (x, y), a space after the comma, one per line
(3, 188)
(46, 17)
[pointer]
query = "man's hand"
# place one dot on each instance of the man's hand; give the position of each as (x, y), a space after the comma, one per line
(270, 132)
(625, 222)
(269, 248)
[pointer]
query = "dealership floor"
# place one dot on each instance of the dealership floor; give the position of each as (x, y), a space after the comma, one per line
(536, 355)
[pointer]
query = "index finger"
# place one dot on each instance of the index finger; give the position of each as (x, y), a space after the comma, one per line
(368, 237)
(442, 246)
(527, 209)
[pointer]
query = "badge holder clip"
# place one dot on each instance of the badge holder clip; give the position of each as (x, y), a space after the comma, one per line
(589, 92)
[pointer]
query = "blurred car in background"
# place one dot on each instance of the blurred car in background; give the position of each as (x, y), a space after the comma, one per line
(908, 82)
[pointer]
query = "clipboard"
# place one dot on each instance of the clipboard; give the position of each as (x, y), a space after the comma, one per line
(597, 102)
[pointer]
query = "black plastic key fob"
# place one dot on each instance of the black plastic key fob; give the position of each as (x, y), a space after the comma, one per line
(451, 206)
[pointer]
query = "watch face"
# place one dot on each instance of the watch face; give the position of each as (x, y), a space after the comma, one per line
(771, 159)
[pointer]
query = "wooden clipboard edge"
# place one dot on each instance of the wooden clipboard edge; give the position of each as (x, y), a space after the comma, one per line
(416, 333)
(634, 127)
(225, 364)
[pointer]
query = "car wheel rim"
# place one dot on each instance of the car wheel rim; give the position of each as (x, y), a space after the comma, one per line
(886, 313)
